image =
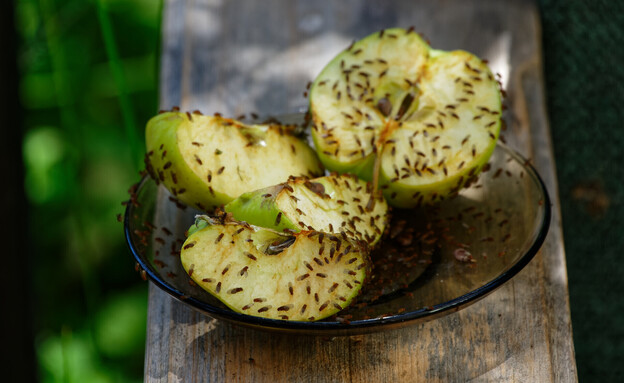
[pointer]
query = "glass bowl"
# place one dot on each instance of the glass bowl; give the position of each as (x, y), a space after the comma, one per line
(434, 260)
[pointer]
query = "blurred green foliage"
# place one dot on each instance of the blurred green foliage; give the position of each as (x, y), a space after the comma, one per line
(88, 84)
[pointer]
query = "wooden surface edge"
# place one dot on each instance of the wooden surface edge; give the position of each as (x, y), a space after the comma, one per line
(169, 80)
(556, 278)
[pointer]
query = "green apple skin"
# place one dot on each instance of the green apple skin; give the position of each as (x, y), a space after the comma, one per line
(448, 102)
(362, 168)
(166, 164)
(259, 208)
(207, 161)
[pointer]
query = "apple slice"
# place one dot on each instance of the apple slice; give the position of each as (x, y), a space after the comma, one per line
(207, 161)
(332, 204)
(305, 277)
(417, 122)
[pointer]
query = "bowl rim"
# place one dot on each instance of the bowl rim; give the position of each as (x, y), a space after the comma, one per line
(323, 327)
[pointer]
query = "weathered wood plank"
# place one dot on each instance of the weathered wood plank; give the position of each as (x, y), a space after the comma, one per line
(238, 57)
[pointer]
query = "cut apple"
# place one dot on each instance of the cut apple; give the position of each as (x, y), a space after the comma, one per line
(418, 123)
(255, 271)
(207, 161)
(332, 204)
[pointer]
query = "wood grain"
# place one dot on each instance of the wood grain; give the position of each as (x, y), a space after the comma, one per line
(238, 57)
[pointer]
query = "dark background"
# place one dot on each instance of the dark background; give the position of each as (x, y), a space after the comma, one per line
(583, 45)
(79, 78)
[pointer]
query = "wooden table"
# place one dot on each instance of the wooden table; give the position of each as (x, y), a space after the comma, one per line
(239, 57)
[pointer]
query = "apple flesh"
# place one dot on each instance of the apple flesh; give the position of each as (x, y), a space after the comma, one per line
(417, 122)
(306, 276)
(332, 204)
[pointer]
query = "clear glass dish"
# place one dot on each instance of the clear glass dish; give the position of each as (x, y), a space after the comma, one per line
(434, 261)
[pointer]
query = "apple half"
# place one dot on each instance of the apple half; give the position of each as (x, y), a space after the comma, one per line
(207, 161)
(417, 122)
(305, 276)
(332, 204)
